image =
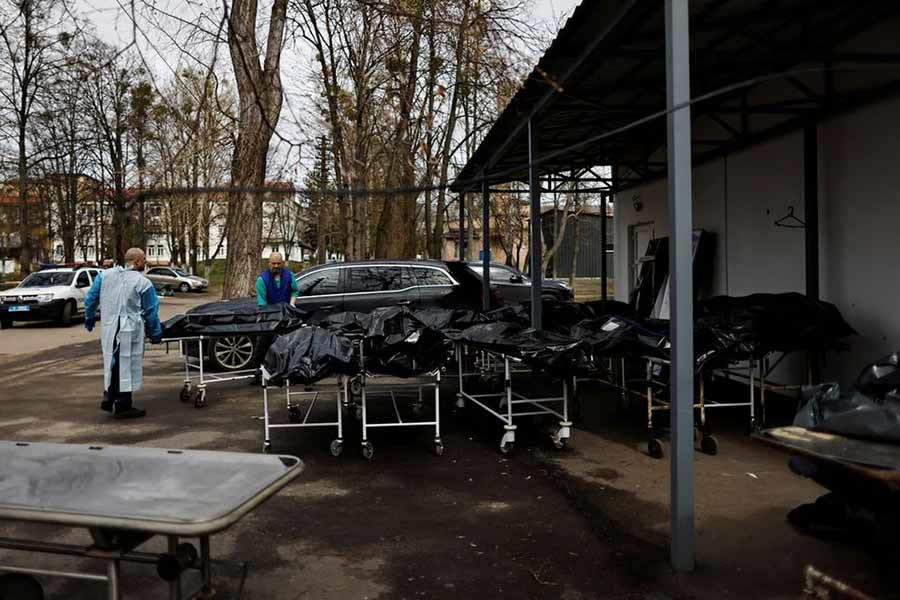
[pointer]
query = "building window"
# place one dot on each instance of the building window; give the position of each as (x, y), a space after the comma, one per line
(150, 250)
(59, 250)
(276, 248)
(159, 250)
(90, 249)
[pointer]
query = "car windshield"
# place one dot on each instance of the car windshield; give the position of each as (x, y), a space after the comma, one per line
(48, 278)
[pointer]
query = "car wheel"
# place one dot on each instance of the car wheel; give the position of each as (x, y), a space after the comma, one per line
(232, 353)
(184, 288)
(65, 316)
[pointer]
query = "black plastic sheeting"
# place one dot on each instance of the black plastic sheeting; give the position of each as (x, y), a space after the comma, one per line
(751, 326)
(556, 354)
(308, 355)
(870, 410)
(399, 343)
(234, 317)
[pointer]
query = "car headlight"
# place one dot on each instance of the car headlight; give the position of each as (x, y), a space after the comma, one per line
(45, 297)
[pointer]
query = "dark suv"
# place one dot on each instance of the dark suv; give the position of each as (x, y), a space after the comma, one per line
(508, 285)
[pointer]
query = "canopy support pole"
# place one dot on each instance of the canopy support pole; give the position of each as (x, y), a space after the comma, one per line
(604, 293)
(534, 239)
(485, 243)
(678, 95)
(811, 204)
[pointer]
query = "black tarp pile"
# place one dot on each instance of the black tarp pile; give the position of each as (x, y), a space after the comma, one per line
(398, 343)
(870, 410)
(308, 355)
(240, 316)
(751, 326)
(554, 353)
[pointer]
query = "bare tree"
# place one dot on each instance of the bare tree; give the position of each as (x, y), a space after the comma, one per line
(260, 98)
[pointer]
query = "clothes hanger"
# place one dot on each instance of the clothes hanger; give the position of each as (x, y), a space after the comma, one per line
(790, 221)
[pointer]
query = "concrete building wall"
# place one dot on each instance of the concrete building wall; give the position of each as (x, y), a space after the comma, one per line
(739, 198)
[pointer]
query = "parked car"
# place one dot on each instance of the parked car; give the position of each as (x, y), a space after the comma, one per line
(174, 278)
(55, 294)
(508, 285)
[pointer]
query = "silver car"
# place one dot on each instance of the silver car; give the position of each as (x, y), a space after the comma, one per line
(174, 278)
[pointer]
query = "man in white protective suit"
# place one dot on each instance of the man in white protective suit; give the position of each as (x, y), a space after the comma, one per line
(128, 306)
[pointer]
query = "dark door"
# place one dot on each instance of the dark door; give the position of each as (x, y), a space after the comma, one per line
(436, 288)
(320, 290)
(513, 285)
(373, 286)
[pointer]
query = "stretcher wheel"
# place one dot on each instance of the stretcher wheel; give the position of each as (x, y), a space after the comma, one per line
(698, 435)
(267, 447)
(709, 445)
(559, 443)
(185, 395)
(506, 448)
(655, 448)
(368, 451)
(355, 387)
(337, 447)
(294, 414)
(18, 586)
(187, 554)
(439, 449)
(357, 413)
(200, 398)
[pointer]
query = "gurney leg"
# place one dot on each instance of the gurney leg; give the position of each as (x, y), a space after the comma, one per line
(508, 441)
(752, 395)
(460, 403)
(561, 437)
(205, 571)
(112, 575)
(267, 444)
(762, 391)
(337, 446)
(175, 583)
(654, 446)
(368, 451)
(708, 443)
(438, 444)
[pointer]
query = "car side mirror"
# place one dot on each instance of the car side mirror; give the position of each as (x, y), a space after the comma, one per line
(515, 279)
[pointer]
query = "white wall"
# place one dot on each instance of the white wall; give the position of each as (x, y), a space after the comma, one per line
(738, 198)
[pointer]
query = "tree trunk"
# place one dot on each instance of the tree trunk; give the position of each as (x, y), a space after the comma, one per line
(260, 98)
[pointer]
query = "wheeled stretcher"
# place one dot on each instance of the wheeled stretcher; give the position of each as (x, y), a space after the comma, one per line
(125, 496)
(197, 371)
(508, 405)
(298, 414)
(371, 384)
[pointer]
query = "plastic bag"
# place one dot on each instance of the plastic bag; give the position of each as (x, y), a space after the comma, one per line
(398, 343)
(825, 408)
(308, 355)
(240, 316)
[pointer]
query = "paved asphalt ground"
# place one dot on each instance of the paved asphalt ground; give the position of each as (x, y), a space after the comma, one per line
(588, 522)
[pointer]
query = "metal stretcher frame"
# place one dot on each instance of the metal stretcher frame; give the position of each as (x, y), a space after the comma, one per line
(758, 371)
(300, 418)
(367, 388)
(204, 377)
(510, 399)
(124, 496)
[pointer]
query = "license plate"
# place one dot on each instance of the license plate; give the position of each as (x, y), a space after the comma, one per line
(19, 308)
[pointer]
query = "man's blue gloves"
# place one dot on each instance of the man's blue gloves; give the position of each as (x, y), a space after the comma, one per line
(89, 324)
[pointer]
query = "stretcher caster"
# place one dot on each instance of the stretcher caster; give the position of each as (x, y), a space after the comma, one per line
(18, 586)
(709, 445)
(559, 443)
(200, 398)
(357, 413)
(368, 450)
(267, 447)
(654, 448)
(698, 435)
(439, 448)
(169, 567)
(294, 414)
(508, 441)
(337, 447)
(506, 448)
(355, 387)
(185, 395)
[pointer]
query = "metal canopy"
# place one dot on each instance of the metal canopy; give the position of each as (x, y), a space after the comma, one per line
(606, 70)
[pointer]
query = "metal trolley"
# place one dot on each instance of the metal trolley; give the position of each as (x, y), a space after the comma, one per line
(508, 400)
(110, 501)
(367, 385)
(298, 417)
(203, 377)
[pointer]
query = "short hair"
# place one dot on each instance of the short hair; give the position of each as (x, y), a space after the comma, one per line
(132, 254)
(274, 254)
